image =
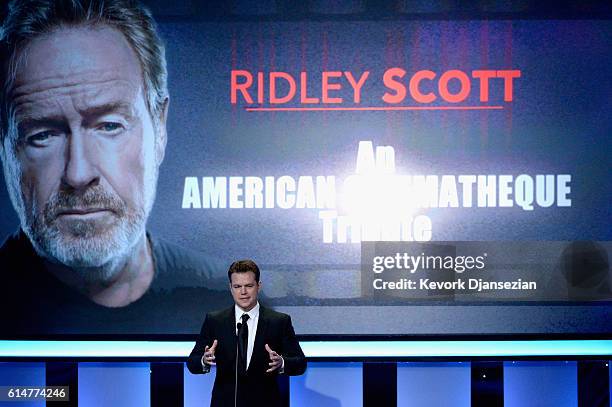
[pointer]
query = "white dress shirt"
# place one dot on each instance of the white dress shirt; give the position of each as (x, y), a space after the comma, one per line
(251, 324)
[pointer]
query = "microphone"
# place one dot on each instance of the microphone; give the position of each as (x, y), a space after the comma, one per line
(238, 326)
(238, 329)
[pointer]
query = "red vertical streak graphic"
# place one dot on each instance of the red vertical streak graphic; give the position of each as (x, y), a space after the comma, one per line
(233, 57)
(444, 58)
(400, 119)
(272, 39)
(303, 66)
(415, 65)
(388, 64)
(464, 46)
(484, 64)
(325, 62)
(261, 63)
(508, 65)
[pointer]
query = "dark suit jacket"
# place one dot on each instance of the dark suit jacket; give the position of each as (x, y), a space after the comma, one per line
(256, 388)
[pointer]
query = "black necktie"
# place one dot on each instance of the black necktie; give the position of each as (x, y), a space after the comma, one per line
(243, 341)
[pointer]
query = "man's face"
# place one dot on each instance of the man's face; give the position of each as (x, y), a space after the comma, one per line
(87, 152)
(244, 289)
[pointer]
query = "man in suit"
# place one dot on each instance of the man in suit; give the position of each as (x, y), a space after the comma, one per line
(250, 345)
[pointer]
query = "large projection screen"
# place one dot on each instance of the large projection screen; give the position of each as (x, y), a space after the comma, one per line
(390, 177)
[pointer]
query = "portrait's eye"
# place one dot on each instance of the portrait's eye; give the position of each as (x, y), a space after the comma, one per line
(40, 139)
(110, 127)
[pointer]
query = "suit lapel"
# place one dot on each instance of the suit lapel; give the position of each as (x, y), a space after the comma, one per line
(229, 332)
(259, 351)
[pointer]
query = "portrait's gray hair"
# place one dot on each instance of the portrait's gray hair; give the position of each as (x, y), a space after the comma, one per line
(28, 19)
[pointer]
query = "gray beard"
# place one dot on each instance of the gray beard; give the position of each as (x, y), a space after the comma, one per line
(97, 258)
(99, 252)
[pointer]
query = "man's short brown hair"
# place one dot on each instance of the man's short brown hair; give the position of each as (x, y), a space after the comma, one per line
(243, 266)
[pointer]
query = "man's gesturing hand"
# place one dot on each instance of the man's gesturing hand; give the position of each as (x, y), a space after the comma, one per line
(209, 354)
(276, 361)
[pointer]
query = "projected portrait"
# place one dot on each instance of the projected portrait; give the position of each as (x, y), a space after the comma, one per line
(424, 177)
(83, 135)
